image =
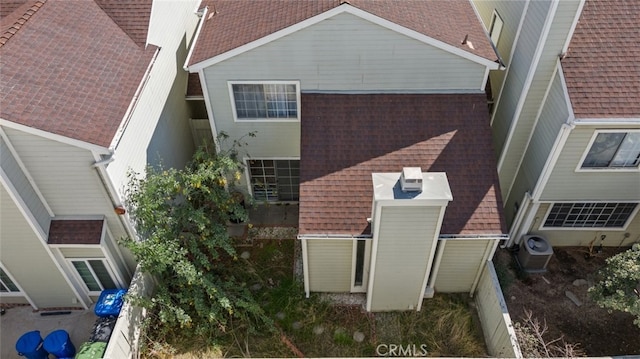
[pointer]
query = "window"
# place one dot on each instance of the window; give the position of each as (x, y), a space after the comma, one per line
(274, 101)
(590, 215)
(95, 274)
(275, 180)
(496, 27)
(6, 284)
(613, 150)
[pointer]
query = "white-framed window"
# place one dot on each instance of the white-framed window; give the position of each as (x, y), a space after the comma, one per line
(496, 27)
(587, 215)
(274, 180)
(95, 273)
(612, 149)
(274, 101)
(7, 285)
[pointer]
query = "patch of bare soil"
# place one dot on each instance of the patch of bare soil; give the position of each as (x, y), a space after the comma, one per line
(598, 332)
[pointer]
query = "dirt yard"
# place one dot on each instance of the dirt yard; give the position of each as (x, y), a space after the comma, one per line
(598, 332)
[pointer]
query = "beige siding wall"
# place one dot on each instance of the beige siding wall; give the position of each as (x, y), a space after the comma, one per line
(578, 237)
(565, 184)
(511, 13)
(461, 262)
(158, 132)
(553, 114)
(518, 69)
(24, 255)
(556, 39)
(329, 263)
(322, 58)
(405, 240)
(20, 182)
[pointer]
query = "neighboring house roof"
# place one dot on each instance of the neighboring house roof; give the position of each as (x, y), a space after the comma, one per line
(194, 89)
(346, 138)
(68, 231)
(231, 24)
(602, 65)
(70, 69)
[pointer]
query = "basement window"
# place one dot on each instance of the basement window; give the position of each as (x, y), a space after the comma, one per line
(6, 284)
(94, 273)
(590, 215)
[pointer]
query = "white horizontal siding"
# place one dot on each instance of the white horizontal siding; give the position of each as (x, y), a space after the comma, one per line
(405, 240)
(20, 182)
(461, 261)
(23, 254)
(565, 184)
(329, 263)
(578, 237)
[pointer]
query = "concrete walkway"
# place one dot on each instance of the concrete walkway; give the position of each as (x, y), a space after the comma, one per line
(19, 320)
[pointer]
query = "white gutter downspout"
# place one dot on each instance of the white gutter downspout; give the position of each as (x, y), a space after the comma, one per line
(487, 252)
(430, 291)
(99, 165)
(520, 216)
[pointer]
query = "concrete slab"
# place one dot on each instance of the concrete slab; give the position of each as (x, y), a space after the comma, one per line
(19, 320)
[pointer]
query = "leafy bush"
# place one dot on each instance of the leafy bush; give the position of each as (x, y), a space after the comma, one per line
(619, 284)
(181, 217)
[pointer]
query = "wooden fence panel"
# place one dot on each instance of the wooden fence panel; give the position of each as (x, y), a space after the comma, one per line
(496, 323)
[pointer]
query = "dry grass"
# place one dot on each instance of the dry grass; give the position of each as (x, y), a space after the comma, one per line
(316, 328)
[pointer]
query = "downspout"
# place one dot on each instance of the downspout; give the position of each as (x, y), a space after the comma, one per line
(100, 165)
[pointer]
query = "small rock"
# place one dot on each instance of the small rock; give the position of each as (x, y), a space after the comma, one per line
(318, 329)
(573, 298)
(245, 255)
(546, 280)
(580, 282)
(280, 315)
(256, 287)
(358, 337)
(513, 297)
(296, 325)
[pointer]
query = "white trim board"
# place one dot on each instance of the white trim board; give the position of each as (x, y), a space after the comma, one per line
(55, 137)
(343, 8)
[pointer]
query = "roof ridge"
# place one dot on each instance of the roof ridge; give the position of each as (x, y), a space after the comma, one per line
(20, 21)
(130, 28)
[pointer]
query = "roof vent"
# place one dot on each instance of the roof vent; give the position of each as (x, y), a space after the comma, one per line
(411, 179)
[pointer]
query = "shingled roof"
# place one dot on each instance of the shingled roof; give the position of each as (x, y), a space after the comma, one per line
(602, 66)
(72, 70)
(346, 138)
(231, 24)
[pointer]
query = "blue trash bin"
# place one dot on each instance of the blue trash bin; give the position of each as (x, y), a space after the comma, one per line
(29, 345)
(59, 344)
(110, 302)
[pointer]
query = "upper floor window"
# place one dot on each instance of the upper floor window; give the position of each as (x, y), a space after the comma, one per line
(590, 215)
(268, 101)
(613, 149)
(496, 27)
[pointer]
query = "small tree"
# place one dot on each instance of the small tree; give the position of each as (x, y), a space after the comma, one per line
(619, 285)
(181, 216)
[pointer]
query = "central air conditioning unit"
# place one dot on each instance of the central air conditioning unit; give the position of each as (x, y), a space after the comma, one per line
(534, 254)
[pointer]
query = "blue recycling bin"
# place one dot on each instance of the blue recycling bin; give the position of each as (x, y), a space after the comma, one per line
(110, 302)
(59, 344)
(29, 345)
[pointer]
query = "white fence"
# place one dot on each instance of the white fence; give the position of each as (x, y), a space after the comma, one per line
(126, 333)
(499, 333)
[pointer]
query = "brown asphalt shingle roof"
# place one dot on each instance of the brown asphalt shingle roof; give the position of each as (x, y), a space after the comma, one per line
(345, 138)
(71, 70)
(75, 231)
(602, 66)
(232, 23)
